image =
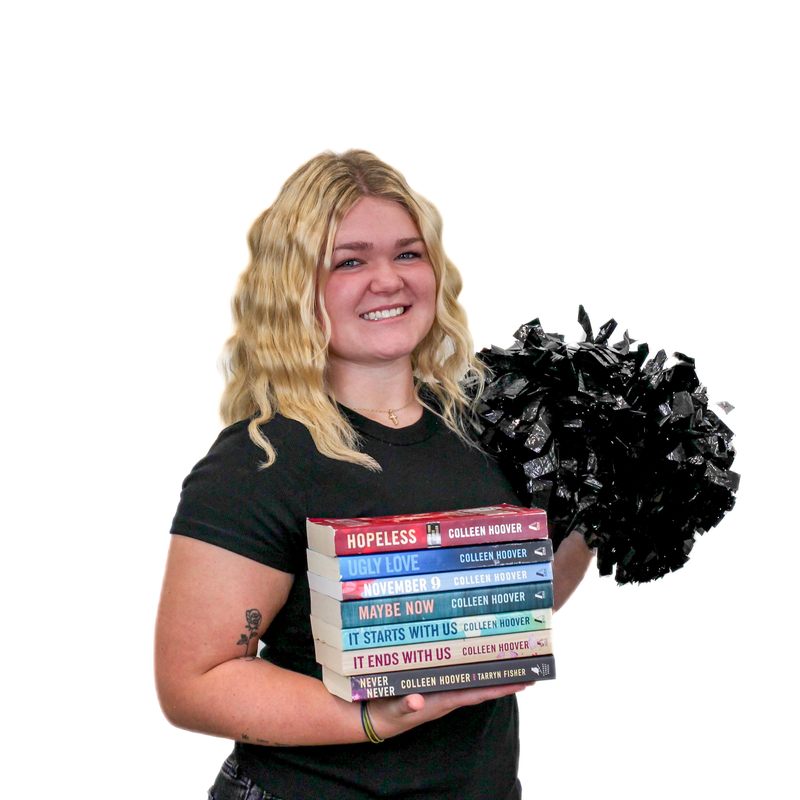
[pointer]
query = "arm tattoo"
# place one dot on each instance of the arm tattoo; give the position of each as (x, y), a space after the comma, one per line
(252, 621)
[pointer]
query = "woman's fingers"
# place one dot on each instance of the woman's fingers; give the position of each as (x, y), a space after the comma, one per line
(449, 701)
(391, 717)
(413, 703)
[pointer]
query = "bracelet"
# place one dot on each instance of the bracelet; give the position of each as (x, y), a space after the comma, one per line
(366, 724)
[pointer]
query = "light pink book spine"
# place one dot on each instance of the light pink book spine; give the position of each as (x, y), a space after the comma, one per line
(391, 659)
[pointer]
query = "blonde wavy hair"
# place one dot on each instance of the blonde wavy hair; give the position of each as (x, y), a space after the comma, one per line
(275, 362)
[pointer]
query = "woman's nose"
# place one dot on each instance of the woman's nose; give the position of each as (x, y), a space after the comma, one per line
(386, 277)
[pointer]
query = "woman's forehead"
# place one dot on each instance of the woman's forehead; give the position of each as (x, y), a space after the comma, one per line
(372, 217)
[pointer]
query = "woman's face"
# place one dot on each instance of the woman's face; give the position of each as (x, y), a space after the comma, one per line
(380, 293)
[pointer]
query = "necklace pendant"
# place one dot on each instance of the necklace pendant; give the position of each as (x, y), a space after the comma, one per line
(393, 416)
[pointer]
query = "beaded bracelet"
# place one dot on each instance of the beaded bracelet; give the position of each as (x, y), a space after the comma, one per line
(366, 724)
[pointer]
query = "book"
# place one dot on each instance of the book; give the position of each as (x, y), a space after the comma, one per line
(490, 524)
(440, 605)
(437, 679)
(427, 583)
(432, 654)
(413, 562)
(432, 631)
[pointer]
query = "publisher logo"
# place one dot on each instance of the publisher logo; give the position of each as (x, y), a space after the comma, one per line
(434, 534)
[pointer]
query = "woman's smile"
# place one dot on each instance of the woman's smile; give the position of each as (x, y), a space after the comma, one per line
(384, 313)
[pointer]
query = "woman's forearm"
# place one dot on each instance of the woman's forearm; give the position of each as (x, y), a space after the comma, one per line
(570, 563)
(252, 700)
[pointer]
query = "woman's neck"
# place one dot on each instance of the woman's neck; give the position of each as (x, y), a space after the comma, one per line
(384, 392)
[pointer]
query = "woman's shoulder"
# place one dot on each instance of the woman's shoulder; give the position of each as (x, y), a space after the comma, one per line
(278, 429)
(235, 453)
(231, 500)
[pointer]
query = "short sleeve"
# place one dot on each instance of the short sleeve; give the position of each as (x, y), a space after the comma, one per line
(230, 501)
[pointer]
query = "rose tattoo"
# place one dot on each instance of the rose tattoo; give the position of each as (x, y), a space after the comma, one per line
(252, 620)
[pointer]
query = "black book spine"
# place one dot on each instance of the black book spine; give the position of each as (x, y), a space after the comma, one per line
(438, 679)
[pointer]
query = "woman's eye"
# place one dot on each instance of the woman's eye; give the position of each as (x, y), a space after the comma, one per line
(409, 255)
(348, 262)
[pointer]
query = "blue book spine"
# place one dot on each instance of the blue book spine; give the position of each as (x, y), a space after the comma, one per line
(449, 559)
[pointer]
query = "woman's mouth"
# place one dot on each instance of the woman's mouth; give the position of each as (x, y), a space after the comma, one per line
(386, 313)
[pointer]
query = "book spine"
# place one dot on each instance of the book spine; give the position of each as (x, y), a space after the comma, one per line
(444, 605)
(450, 559)
(445, 532)
(438, 679)
(434, 631)
(439, 582)
(391, 659)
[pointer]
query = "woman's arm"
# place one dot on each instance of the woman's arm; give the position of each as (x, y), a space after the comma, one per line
(570, 563)
(206, 683)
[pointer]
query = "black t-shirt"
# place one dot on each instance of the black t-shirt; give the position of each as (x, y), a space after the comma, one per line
(470, 754)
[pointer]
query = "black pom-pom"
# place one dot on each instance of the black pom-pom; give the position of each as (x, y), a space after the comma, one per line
(623, 449)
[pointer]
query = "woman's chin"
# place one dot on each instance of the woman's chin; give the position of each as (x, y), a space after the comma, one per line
(377, 353)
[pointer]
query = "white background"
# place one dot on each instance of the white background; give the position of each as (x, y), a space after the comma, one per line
(640, 158)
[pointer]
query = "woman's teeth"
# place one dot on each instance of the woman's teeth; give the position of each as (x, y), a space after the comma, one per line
(385, 314)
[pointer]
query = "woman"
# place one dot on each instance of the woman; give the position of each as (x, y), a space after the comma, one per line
(342, 399)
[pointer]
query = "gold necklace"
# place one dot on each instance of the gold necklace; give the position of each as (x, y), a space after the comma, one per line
(391, 412)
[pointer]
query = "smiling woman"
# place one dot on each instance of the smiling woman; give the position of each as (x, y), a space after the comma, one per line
(342, 399)
(344, 226)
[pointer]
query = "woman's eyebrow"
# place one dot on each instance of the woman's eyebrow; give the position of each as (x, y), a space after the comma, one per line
(368, 245)
(353, 246)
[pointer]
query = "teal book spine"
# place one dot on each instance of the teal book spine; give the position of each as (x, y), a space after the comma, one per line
(441, 605)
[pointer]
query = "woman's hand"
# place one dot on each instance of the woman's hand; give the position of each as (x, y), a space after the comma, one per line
(393, 716)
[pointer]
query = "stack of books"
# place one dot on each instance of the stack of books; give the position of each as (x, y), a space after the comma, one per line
(431, 602)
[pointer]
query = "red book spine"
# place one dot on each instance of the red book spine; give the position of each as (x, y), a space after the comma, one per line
(416, 532)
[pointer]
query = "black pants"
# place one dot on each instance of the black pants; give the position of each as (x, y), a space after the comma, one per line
(231, 785)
